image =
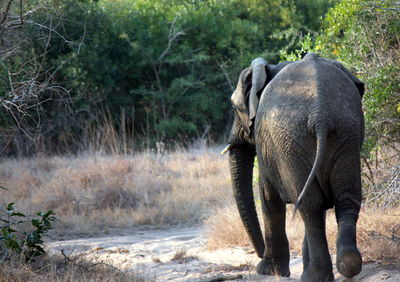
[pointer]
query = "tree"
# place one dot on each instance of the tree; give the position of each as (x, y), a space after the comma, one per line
(27, 80)
(364, 36)
(151, 70)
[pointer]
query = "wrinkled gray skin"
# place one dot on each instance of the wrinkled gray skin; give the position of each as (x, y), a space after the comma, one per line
(306, 130)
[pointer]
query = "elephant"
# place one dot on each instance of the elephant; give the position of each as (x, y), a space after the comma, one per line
(304, 122)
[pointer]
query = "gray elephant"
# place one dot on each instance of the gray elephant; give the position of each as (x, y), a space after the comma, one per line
(305, 123)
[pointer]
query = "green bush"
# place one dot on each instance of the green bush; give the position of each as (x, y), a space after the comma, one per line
(29, 244)
(365, 39)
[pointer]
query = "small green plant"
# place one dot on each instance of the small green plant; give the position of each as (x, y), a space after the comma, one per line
(29, 244)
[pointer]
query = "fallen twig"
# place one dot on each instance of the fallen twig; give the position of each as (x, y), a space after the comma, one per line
(225, 278)
(67, 259)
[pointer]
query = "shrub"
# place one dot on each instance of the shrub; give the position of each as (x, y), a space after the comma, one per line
(29, 244)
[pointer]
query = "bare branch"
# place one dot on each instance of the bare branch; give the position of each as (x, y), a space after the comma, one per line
(226, 74)
(383, 5)
(386, 9)
(172, 36)
(28, 84)
(6, 12)
(49, 28)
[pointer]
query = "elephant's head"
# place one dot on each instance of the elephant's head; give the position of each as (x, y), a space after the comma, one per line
(241, 146)
(245, 99)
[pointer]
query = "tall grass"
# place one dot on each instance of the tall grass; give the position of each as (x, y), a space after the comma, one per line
(95, 192)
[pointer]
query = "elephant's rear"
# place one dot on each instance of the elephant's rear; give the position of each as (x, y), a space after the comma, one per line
(309, 132)
(305, 99)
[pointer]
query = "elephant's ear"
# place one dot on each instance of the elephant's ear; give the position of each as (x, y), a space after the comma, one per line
(251, 82)
(258, 81)
(358, 83)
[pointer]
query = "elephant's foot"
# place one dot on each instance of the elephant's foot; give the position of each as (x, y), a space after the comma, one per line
(317, 275)
(349, 262)
(267, 267)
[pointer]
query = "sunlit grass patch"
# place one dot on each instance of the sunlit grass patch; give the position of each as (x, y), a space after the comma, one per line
(93, 192)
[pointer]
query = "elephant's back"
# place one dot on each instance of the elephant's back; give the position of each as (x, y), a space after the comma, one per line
(309, 92)
(285, 107)
(293, 89)
(302, 96)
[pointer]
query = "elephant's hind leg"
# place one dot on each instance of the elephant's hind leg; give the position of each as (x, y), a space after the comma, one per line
(317, 264)
(346, 185)
(276, 255)
(348, 258)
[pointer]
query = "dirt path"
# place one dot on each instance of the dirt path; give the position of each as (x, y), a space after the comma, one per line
(181, 255)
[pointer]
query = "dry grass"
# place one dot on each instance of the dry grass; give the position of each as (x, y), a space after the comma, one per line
(96, 193)
(381, 177)
(56, 268)
(378, 232)
(232, 233)
(179, 255)
(182, 256)
(93, 192)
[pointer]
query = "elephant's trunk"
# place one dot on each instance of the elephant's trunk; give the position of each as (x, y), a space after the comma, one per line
(241, 161)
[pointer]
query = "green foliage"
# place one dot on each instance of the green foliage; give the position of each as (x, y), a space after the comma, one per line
(176, 128)
(165, 69)
(176, 61)
(160, 63)
(365, 39)
(306, 46)
(29, 244)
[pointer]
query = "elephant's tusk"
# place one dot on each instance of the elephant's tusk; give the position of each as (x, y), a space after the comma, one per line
(226, 149)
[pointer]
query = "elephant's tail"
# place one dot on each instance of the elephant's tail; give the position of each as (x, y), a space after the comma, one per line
(321, 134)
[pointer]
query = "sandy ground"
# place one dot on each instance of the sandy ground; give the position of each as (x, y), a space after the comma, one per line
(181, 255)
